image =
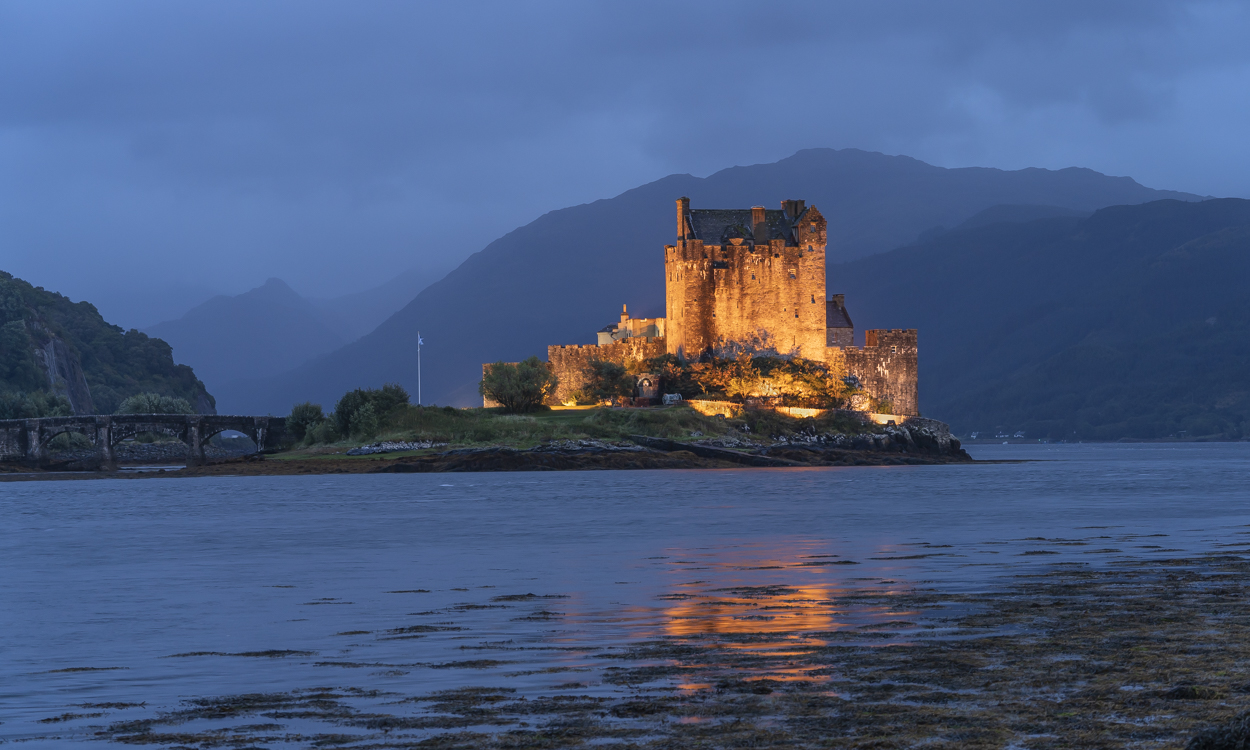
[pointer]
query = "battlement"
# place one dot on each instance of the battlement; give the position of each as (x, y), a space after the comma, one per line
(735, 273)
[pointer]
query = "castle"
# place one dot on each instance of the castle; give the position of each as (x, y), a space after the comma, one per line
(753, 275)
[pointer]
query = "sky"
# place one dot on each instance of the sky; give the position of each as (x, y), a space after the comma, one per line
(155, 153)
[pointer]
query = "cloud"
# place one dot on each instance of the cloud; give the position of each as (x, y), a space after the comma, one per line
(336, 144)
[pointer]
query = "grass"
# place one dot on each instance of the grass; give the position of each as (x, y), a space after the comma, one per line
(491, 427)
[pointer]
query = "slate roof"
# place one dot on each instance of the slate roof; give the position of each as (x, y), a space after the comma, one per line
(716, 226)
(836, 316)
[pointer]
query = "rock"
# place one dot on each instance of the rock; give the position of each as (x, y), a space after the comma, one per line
(1235, 735)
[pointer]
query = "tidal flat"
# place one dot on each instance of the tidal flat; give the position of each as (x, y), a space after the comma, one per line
(1089, 597)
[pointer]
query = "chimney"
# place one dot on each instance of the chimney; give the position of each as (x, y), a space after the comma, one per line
(759, 224)
(793, 208)
(683, 208)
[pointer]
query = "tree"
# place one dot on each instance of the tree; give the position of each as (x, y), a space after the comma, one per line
(383, 401)
(520, 387)
(606, 381)
(303, 416)
(33, 405)
(154, 403)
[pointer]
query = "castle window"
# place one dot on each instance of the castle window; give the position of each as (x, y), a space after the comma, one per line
(792, 275)
(796, 313)
(813, 299)
(752, 277)
(893, 350)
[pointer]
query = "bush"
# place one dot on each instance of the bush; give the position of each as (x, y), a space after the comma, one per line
(789, 381)
(520, 387)
(364, 424)
(33, 405)
(383, 401)
(325, 431)
(303, 416)
(154, 403)
(607, 381)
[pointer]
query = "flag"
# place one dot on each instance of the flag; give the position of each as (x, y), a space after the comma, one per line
(420, 341)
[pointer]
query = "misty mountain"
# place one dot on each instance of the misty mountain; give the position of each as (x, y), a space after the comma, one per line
(354, 315)
(264, 331)
(564, 275)
(1133, 322)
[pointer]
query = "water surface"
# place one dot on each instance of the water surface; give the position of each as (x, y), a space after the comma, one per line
(152, 591)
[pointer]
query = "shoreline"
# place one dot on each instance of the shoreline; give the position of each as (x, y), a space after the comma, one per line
(665, 454)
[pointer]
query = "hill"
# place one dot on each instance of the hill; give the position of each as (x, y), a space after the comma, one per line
(1133, 322)
(264, 331)
(565, 275)
(50, 344)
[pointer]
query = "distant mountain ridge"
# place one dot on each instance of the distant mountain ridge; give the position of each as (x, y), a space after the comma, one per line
(1133, 322)
(53, 345)
(564, 275)
(264, 331)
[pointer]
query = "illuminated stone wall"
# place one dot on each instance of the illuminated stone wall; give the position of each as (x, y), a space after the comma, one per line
(718, 293)
(569, 363)
(885, 366)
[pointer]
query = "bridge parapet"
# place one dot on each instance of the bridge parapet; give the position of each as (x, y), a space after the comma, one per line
(27, 440)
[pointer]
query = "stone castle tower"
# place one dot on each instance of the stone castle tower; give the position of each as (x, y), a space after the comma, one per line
(738, 274)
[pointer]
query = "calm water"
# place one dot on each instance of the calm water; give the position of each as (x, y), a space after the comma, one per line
(150, 591)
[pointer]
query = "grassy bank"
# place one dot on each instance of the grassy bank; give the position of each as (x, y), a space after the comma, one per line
(482, 427)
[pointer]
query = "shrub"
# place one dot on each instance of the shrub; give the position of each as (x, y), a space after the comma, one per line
(33, 405)
(325, 431)
(303, 416)
(154, 403)
(383, 400)
(364, 424)
(520, 387)
(790, 381)
(606, 381)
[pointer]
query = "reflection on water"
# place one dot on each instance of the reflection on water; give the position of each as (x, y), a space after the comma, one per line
(150, 592)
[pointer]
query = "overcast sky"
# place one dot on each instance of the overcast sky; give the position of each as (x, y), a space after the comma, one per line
(152, 153)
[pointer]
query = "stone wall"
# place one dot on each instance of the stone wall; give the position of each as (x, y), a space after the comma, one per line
(885, 366)
(734, 292)
(569, 363)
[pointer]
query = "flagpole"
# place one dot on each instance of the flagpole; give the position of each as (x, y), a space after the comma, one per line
(418, 368)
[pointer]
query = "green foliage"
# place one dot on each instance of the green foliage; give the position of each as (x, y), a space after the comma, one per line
(69, 441)
(519, 388)
(364, 424)
(607, 381)
(154, 403)
(381, 401)
(33, 405)
(115, 363)
(303, 416)
(17, 358)
(788, 381)
(494, 427)
(323, 432)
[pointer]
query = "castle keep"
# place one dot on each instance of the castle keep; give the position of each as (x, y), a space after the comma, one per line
(752, 277)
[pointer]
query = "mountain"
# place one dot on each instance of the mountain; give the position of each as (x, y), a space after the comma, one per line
(50, 344)
(354, 315)
(563, 276)
(1133, 322)
(272, 329)
(265, 331)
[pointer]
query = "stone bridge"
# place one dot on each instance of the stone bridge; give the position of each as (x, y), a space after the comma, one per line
(26, 440)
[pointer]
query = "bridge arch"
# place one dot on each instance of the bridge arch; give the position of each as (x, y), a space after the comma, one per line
(27, 439)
